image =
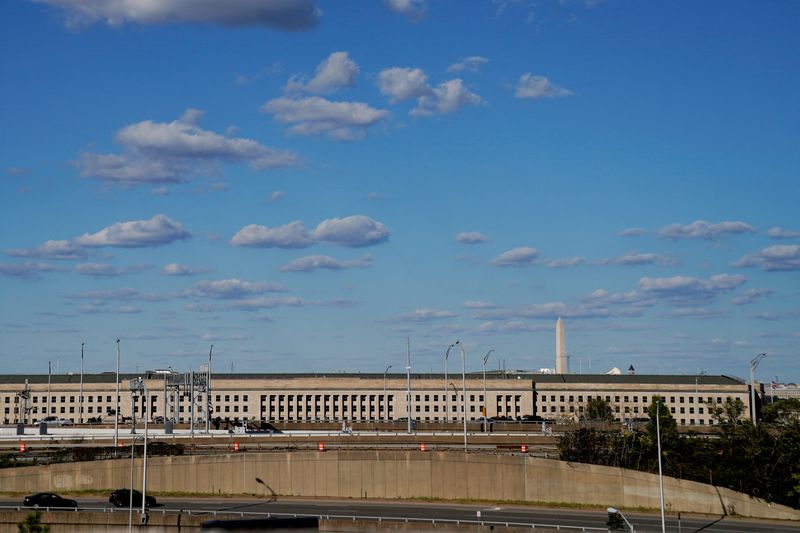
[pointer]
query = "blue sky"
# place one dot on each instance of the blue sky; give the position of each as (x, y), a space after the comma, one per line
(307, 183)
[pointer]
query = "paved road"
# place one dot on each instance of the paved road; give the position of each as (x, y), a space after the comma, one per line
(445, 511)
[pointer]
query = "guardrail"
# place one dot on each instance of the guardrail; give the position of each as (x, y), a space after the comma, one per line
(353, 518)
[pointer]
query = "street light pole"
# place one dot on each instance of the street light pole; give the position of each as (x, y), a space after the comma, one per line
(464, 393)
(385, 400)
(485, 399)
(660, 475)
(80, 399)
(48, 387)
(446, 394)
(408, 381)
(753, 364)
(116, 410)
(144, 465)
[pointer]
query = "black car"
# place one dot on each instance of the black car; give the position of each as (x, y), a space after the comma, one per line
(47, 499)
(122, 498)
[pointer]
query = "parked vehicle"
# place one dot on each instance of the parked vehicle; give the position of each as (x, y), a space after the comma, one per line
(55, 421)
(47, 499)
(122, 498)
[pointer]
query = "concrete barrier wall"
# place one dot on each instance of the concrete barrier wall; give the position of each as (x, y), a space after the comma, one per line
(396, 474)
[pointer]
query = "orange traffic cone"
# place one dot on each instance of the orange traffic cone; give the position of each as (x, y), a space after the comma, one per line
(322, 446)
(22, 448)
(524, 448)
(236, 446)
(422, 446)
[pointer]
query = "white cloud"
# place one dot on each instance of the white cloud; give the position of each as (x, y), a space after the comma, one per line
(522, 256)
(289, 15)
(318, 262)
(157, 231)
(635, 259)
(468, 64)
(779, 257)
(448, 97)
(353, 231)
(51, 250)
(549, 310)
(782, 233)
(231, 289)
(291, 235)
(534, 87)
(471, 237)
(566, 262)
(427, 315)
(511, 326)
(106, 270)
(751, 296)
(254, 304)
(412, 9)
(700, 229)
(167, 152)
(338, 71)
(374, 196)
(122, 294)
(274, 196)
(30, 270)
(175, 269)
(317, 116)
(401, 84)
(632, 232)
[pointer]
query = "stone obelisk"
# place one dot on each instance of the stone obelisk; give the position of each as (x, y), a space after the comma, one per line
(562, 363)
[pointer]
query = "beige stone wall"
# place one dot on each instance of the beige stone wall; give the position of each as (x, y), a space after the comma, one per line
(396, 474)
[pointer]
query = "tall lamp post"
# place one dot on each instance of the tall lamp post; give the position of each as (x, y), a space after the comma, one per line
(385, 400)
(137, 385)
(463, 392)
(48, 387)
(116, 409)
(408, 382)
(446, 395)
(660, 475)
(80, 399)
(753, 364)
(485, 399)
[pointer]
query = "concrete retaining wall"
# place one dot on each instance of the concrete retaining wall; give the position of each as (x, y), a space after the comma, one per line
(396, 474)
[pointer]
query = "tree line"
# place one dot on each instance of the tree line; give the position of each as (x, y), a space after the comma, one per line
(760, 460)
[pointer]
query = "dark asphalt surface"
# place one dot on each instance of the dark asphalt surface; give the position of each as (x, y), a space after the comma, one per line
(447, 511)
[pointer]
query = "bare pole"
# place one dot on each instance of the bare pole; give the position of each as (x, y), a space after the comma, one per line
(144, 464)
(485, 399)
(446, 394)
(385, 399)
(48, 387)
(80, 400)
(208, 391)
(116, 410)
(408, 381)
(464, 393)
(660, 475)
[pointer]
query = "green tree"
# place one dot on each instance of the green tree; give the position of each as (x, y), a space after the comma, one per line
(615, 522)
(728, 413)
(782, 411)
(597, 409)
(32, 523)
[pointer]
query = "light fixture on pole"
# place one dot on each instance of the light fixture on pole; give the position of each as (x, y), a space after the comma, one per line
(208, 394)
(660, 475)
(463, 392)
(485, 399)
(116, 409)
(753, 364)
(80, 399)
(611, 510)
(446, 396)
(385, 400)
(138, 386)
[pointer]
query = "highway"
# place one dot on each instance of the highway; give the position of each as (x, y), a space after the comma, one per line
(445, 512)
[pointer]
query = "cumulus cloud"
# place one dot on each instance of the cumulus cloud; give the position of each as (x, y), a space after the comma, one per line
(121, 294)
(168, 152)
(534, 87)
(315, 115)
(231, 289)
(471, 237)
(632, 232)
(548, 310)
(338, 71)
(566, 262)
(782, 233)
(28, 270)
(324, 262)
(401, 84)
(700, 229)
(291, 235)
(522, 256)
(288, 15)
(448, 97)
(426, 315)
(751, 296)
(50, 250)
(636, 259)
(157, 231)
(352, 231)
(175, 269)
(412, 9)
(779, 257)
(106, 270)
(468, 64)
